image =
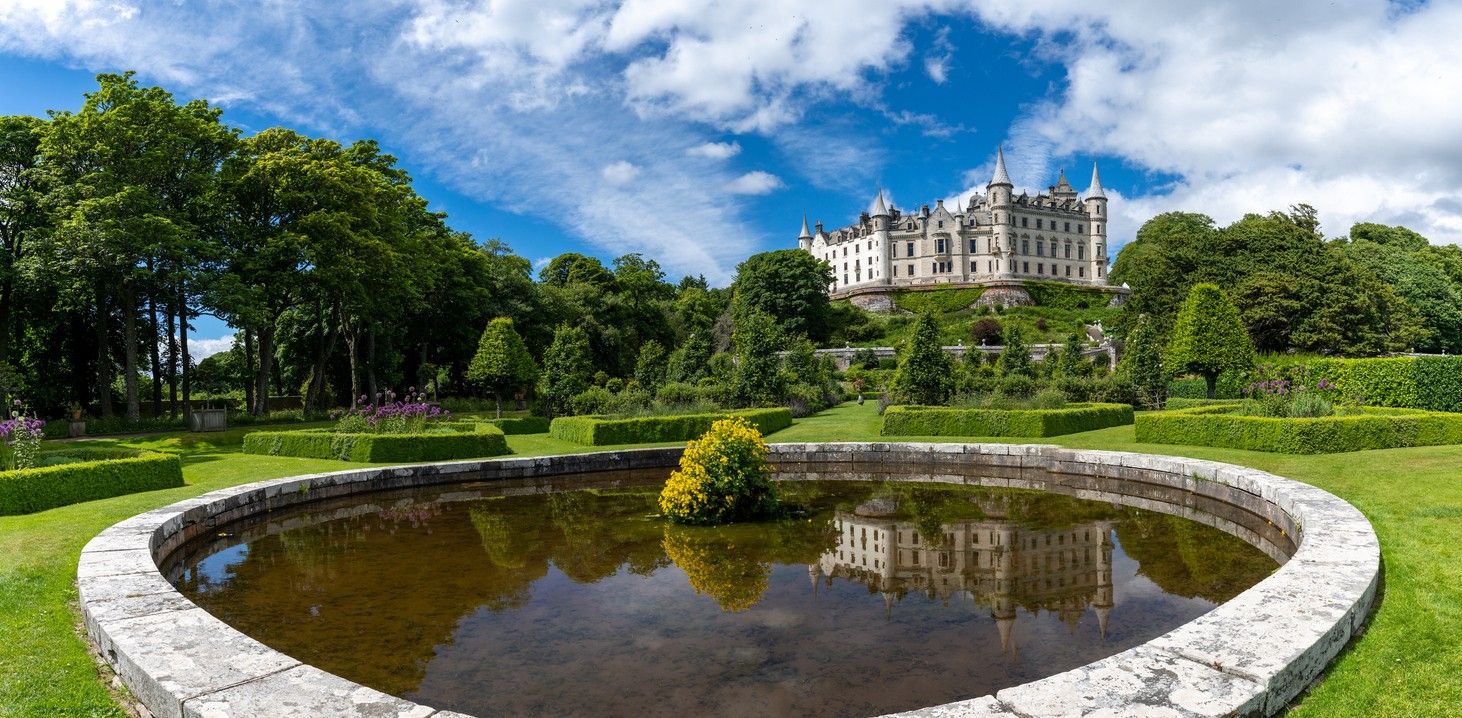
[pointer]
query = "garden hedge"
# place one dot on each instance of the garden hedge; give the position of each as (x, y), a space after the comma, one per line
(1181, 402)
(97, 474)
(608, 431)
(513, 425)
(1432, 383)
(467, 440)
(954, 421)
(1373, 428)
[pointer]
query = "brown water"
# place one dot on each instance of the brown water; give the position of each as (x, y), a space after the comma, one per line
(869, 598)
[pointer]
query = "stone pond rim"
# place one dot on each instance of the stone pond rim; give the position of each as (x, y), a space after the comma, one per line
(1250, 656)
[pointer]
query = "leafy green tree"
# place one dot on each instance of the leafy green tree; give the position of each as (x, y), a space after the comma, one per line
(690, 362)
(650, 366)
(1070, 362)
(567, 367)
(1208, 337)
(1015, 356)
(21, 211)
(789, 284)
(757, 378)
(1142, 363)
(502, 364)
(925, 373)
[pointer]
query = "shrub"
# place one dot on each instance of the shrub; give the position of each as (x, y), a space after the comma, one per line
(1015, 358)
(458, 440)
(723, 477)
(1048, 399)
(566, 366)
(757, 378)
(1179, 402)
(1208, 337)
(1367, 428)
(985, 331)
(1142, 364)
(96, 474)
(924, 373)
(679, 394)
(502, 364)
(1430, 383)
(594, 400)
(513, 425)
(942, 421)
(606, 431)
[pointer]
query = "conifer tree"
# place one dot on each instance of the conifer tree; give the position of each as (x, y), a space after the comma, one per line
(689, 363)
(757, 379)
(502, 364)
(1209, 337)
(650, 366)
(925, 374)
(567, 367)
(1142, 363)
(1015, 358)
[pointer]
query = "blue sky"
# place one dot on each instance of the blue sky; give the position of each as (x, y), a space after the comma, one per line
(699, 133)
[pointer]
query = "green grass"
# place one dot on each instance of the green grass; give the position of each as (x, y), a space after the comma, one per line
(1409, 663)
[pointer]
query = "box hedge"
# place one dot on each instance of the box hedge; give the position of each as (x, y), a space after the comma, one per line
(94, 474)
(609, 431)
(1179, 402)
(1433, 383)
(464, 440)
(954, 421)
(1371, 428)
(513, 425)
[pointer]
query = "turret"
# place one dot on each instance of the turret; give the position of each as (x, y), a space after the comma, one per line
(1096, 214)
(804, 240)
(880, 215)
(998, 195)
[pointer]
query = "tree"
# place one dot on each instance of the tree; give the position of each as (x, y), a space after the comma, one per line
(567, 367)
(1015, 357)
(689, 363)
(924, 375)
(502, 364)
(985, 331)
(1208, 337)
(789, 284)
(757, 378)
(21, 213)
(1142, 363)
(650, 366)
(1070, 361)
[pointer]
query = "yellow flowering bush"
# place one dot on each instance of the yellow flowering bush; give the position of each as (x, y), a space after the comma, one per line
(723, 477)
(717, 566)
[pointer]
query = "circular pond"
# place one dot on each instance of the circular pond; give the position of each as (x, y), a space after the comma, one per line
(572, 597)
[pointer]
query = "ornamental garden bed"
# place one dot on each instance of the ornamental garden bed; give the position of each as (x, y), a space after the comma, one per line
(609, 430)
(957, 421)
(442, 442)
(1358, 429)
(74, 475)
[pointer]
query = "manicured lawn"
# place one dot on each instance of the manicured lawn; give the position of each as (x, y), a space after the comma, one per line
(1408, 664)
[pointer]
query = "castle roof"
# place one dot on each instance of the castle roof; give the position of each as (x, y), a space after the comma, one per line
(805, 234)
(1001, 176)
(879, 208)
(1096, 184)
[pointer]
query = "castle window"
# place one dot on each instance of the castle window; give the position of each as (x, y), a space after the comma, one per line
(974, 246)
(1040, 248)
(1040, 269)
(1038, 223)
(939, 246)
(941, 224)
(933, 267)
(972, 268)
(1068, 270)
(1025, 246)
(895, 270)
(1081, 272)
(845, 266)
(1099, 250)
(1025, 221)
(910, 226)
(910, 249)
(1068, 250)
(1081, 251)
(1025, 267)
(845, 251)
(1079, 230)
(911, 270)
(1099, 271)
(1068, 226)
(845, 279)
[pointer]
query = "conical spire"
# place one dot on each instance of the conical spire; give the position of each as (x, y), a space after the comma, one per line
(805, 234)
(1001, 176)
(879, 209)
(1096, 184)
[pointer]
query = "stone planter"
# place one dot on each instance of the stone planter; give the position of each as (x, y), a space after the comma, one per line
(77, 428)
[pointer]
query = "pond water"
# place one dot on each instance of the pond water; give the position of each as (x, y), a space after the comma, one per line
(868, 597)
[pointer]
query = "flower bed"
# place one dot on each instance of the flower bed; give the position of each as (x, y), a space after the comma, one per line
(444, 442)
(1359, 429)
(74, 475)
(952, 421)
(607, 431)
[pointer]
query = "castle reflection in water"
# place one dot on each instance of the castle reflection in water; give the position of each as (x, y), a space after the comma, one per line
(992, 562)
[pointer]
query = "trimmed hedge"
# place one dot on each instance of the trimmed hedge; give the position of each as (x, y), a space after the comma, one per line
(1178, 402)
(1430, 383)
(604, 431)
(469, 440)
(99, 474)
(1374, 428)
(513, 425)
(951, 421)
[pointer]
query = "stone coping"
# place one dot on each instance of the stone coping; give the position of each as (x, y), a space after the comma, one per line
(1250, 656)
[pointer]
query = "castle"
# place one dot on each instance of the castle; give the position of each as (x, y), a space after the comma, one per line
(997, 240)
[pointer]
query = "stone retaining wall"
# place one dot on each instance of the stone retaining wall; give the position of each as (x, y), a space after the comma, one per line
(1250, 656)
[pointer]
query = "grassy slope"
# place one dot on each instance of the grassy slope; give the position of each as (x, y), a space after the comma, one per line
(1060, 318)
(1409, 663)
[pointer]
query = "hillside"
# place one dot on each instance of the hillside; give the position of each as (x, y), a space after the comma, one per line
(1060, 310)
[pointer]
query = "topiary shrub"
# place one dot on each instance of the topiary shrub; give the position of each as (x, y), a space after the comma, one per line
(723, 477)
(88, 475)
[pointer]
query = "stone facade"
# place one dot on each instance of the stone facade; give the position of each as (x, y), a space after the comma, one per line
(1059, 235)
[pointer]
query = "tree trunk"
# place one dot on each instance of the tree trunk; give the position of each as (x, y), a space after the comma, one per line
(352, 343)
(266, 369)
(172, 366)
(184, 360)
(129, 353)
(249, 370)
(371, 367)
(103, 357)
(499, 396)
(7, 288)
(1212, 380)
(329, 335)
(156, 346)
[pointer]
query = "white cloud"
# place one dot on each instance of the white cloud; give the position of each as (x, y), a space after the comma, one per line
(620, 173)
(937, 59)
(715, 150)
(200, 348)
(757, 182)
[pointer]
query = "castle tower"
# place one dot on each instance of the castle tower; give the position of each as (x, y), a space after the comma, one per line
(999, 193)
(882, 242)
(1096, 214)
(804, 240)
(1104, 599)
